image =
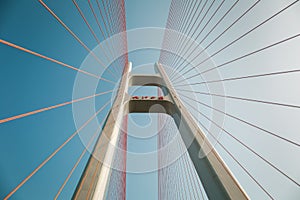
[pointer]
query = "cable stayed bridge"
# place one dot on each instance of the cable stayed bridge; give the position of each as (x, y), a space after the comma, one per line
(225, 103)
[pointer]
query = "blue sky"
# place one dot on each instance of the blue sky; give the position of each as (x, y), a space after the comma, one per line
(144, 14)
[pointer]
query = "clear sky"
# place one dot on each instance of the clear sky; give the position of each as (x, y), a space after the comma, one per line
(144, 14)
(30, 83)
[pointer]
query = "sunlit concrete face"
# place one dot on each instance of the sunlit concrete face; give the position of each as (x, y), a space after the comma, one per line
(219, 183)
